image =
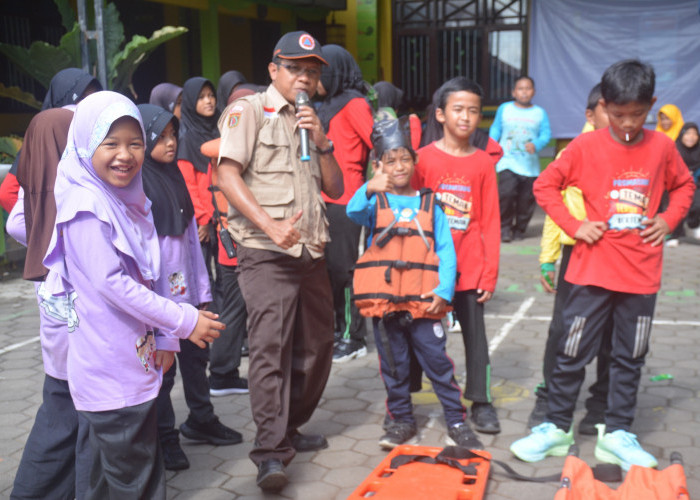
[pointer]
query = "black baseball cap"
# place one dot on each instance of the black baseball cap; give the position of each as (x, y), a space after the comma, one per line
(298, 45)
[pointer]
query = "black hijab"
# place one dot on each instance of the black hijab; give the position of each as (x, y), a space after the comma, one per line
(195, 129)
(342, 80)
(165, 95)
(691, 156)
(389, 96)
(226, 84)
(162, 182)
(67, 87)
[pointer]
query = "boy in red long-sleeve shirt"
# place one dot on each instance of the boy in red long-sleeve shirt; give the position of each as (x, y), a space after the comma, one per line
(464, 178)
(615, 266)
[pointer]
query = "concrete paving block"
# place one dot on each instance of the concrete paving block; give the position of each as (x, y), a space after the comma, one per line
(347, 476)
(308, 472)
(339, 459)
(352, 418)
(197, 479)
(241, 466)
(310, 491)
(233, 452)
(202, 494)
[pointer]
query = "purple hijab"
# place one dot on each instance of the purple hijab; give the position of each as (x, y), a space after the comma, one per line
(79, 189)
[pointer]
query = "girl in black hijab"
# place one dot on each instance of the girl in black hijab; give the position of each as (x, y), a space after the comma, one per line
(341, 80)
(163, 182)
(689, 147)
(69, 86)
(198, 125)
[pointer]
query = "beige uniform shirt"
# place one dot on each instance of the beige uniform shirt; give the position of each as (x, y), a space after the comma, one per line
(260, 133)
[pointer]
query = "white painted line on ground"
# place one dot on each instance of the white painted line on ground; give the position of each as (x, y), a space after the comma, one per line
(493, 345)
(18, 345)
(666, 322)
(514, 320)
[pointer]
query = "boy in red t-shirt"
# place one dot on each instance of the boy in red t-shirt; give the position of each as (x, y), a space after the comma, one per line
(465, 180)
(615, 266)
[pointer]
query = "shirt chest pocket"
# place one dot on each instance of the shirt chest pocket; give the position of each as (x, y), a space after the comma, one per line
(273, 152)
(273, 186)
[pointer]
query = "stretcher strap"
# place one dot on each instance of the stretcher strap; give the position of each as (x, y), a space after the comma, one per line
(451, 454)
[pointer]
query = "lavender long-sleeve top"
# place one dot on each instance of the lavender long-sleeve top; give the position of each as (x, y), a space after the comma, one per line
(183, 274)
(111, 355)
(52, 312)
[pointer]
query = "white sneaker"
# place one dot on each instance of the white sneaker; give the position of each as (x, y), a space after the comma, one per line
(672, 243)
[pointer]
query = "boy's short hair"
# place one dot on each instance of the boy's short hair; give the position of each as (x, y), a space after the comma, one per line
(593, 97)
(457, 84)
(524, 77)
(629, 80)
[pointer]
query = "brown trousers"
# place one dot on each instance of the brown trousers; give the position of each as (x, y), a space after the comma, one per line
(290, 314)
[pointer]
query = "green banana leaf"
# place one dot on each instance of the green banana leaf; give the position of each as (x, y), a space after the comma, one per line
(113, 31)
(124, 63)
(42, 60)
(20, 95)
(8, 148)
(67, 14)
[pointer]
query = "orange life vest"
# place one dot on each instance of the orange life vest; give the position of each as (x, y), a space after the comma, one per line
(401, 263)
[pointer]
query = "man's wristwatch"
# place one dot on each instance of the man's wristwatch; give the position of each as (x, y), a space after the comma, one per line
(328, 150)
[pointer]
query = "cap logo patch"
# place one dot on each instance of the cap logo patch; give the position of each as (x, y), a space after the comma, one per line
(307, 42)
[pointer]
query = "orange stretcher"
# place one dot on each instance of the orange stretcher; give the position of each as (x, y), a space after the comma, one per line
(641, 483)
(423, 472)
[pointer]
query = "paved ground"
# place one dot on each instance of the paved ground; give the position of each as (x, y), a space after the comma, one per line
(352, 409)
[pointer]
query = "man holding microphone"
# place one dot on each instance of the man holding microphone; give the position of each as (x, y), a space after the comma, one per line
(278, 220)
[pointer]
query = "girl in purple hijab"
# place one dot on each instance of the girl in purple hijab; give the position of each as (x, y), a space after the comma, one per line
(103, 256)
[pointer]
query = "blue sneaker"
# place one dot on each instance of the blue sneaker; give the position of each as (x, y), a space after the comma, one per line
(546, 439)
(621, 448)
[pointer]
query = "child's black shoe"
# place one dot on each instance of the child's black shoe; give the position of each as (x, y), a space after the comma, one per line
(213, 432)
(173, 456)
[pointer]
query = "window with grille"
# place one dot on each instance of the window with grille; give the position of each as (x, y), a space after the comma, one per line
(435, 40)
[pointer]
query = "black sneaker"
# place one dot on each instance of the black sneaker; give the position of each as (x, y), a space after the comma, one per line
(173, 456)
(485, 418)
(238, 385)
(587, 427)
(506, 236)
(463, 435)
(539, 412)
(213, 432)
(346, 350)
(398, 433)
(245, 350)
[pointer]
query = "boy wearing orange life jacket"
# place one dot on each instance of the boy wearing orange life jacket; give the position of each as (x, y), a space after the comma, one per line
(404, 282)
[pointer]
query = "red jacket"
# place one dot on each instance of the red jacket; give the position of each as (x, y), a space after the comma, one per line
(350, 130)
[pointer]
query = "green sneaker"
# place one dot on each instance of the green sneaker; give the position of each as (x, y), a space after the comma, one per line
(621, 448)
(546, 439)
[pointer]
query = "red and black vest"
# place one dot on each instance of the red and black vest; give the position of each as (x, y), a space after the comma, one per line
(400, 265)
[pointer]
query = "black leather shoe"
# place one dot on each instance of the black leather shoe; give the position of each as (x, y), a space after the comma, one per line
(271, 475)
(307, 442)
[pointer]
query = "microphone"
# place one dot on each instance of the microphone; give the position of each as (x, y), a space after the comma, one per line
(302, 99)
